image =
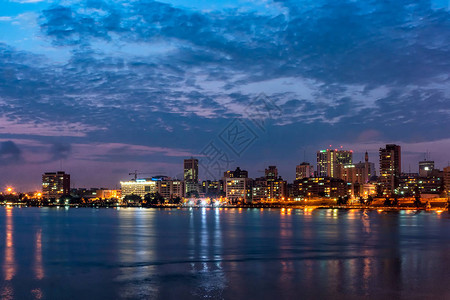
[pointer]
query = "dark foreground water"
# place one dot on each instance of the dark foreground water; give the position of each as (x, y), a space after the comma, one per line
(50, 253)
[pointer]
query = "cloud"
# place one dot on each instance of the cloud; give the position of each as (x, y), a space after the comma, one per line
(150, 74)
(46, 128)
(331, 61)
(60, 151)
(9, 153)
(28, 1)
(121, 152)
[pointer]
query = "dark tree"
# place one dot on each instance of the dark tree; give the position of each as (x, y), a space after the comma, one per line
(345, 199)
(395, 202)
(153, 198)
(361, 200)
(192, 194)
(417, 201)
(132, 199)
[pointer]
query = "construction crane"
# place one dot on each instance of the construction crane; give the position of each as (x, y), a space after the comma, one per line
(135, 173)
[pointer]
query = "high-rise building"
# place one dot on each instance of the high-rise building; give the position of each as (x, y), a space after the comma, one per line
(170, 189)
(277, 189)
(367, 167)
(322, 162)
(304, 170)
(390, 168)
(411, 184)
(344, 157)
(191, 169)
(191, 176)
(212, 188)
(425, 168)
(260, 191)
(238, 187)
(319, 187)
(328, 161)
(238, 173)
(447, 180)
(352, 174)
(358, 173)
(269, 187)
(271, 173)
(55, 184)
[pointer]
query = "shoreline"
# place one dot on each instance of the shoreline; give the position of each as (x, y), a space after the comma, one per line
(440, 208)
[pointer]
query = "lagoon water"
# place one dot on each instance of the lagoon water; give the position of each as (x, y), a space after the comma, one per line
(132, 253)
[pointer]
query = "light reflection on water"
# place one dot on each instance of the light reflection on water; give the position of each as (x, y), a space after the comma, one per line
(223, 253)
(9, 265)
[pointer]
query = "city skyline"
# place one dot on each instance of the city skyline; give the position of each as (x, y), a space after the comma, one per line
(104, 88)
(288, 177)
(230, 149)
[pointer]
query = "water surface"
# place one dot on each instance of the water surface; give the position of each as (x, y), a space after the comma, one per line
(57, 253)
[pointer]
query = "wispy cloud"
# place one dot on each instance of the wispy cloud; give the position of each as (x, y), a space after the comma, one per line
(151, 74)
(28, 1)
(45, 128)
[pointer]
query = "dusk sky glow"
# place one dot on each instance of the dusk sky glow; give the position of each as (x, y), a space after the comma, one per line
(107, 87)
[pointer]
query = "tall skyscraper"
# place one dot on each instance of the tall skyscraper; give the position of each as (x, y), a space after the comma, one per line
(304, 170)
(329, 161)
(366, 168)
(390, 168)
(344, 157)
(191, 169)
(322, 163)
(191, 177)
(55, 184)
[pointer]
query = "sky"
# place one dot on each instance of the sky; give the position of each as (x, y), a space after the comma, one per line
(103, 88)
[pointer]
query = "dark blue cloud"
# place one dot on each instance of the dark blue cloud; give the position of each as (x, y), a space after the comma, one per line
(10, 153)
(149, 73)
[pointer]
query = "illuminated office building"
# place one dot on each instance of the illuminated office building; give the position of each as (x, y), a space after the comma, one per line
(304, 170)
(319, 187)
(139, 187)
(170, 189)
(390, 168)
(330, 160)
(446, 175)
(55, 184)
(191, 176)
(191, 169)
(238, 187)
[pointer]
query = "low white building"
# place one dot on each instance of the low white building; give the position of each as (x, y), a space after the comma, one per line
(139, 187)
